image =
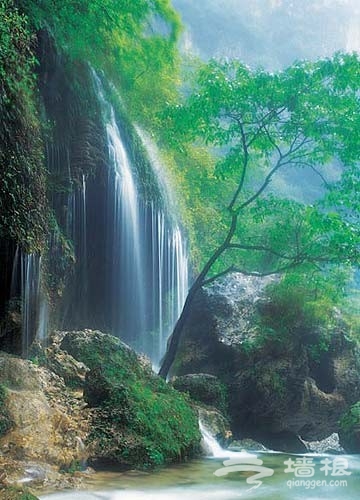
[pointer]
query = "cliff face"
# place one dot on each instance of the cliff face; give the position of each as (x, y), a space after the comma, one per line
(51, 139)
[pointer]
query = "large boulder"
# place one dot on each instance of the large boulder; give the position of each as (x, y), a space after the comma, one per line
(280, 385)
(137, 419)
(123, 413)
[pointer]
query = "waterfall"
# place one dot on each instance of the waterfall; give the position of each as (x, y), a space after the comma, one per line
(25, 284)
(76, 226)
(176, 268)
(30, 287)
(146, 251)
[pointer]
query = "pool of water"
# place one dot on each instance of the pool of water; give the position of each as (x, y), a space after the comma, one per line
(240, 475)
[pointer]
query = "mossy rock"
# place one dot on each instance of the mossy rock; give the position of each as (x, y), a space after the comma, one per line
(203, 388)
(12, 493)
(139, 420)
(349, 432)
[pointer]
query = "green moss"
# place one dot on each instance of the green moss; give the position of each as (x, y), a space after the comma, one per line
(351, 419)
(13, 493)
(140, 420)
(349, 432)
(5, 419)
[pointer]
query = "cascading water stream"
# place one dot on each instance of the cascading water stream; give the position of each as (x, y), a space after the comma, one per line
(172, 241)
(213, 449)
(25, 285)
(146, 252)
(126, 250)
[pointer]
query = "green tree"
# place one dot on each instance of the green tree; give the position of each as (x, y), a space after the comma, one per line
(261, 125)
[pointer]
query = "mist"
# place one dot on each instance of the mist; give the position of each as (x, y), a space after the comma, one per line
(270, 33)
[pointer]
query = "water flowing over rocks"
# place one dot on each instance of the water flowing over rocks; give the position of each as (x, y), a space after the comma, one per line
(278, 389)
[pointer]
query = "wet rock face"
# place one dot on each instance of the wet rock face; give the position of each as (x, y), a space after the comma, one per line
(276, 387)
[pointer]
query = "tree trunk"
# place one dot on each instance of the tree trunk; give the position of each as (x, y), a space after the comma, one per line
(175, 338)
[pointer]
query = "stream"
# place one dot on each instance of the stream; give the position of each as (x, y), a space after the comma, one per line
(229, 475)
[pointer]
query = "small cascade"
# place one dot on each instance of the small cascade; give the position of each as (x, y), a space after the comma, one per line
(146, 252)
(210, 445)
(213, 449)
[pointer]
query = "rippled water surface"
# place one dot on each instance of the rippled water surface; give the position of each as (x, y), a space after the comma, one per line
(196, 480)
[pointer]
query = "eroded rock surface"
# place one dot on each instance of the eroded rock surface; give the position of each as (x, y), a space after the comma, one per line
(278, 385)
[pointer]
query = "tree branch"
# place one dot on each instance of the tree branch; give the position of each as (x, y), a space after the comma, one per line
(260, 248)
(262, 187)
(244, 169)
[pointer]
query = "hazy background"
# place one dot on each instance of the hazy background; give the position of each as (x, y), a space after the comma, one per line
(270, 33)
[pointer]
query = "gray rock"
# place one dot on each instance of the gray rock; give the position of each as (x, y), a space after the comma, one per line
(276, 388)
(247, 444)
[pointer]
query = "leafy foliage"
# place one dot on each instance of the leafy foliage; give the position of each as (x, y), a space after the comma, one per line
(300, 311)
(260, 126)
(351, 418)
(23, 206)
(350, 428)
(133, 42)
